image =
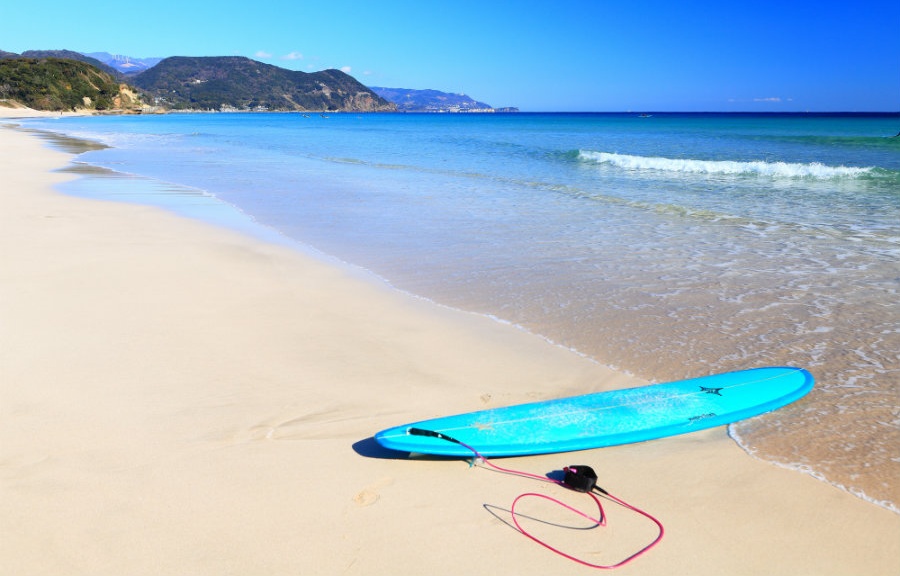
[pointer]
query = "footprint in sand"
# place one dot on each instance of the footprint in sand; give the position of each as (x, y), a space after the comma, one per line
(366, 498)
(370, 495)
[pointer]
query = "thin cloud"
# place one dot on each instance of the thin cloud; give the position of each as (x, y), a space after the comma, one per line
(262, 54)
(293, 56)
(345, 69)
(769, 99)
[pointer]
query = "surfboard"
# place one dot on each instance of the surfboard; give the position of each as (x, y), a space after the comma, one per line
(605, 418)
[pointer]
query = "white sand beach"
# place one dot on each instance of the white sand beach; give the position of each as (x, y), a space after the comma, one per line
(177, 398)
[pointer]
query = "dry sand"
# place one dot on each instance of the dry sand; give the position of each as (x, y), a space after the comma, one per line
(180, 399)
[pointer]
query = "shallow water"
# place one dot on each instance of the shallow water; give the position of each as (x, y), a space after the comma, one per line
(670, 247)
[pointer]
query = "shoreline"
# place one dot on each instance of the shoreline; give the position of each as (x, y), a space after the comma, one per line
(805, 470)
(184, 392)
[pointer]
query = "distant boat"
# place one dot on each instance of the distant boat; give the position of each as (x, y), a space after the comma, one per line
(644, 115)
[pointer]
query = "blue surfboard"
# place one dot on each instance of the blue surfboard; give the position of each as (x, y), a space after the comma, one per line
(605, 418)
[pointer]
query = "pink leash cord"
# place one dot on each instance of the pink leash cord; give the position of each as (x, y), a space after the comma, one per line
(601, 521)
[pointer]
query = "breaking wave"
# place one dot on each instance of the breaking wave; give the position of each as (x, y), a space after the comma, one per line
(812, 170)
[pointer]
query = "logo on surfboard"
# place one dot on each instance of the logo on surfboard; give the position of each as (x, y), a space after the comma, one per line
(693, 419)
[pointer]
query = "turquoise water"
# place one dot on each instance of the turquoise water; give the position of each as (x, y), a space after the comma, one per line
(672, 246)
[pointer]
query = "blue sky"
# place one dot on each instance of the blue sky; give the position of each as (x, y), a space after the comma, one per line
(577, 55)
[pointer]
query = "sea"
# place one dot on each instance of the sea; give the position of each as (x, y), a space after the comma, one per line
(667, 245)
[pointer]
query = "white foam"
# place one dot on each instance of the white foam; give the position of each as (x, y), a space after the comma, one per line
(810, 471)
(813, 170)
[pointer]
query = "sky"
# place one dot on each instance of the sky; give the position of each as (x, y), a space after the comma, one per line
(549, 55)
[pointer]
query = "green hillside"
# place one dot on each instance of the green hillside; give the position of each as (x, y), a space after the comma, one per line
(72, 55)
(238, 83)
(57, 84)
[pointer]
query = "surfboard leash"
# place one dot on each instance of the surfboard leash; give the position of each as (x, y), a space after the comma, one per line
(576, 477)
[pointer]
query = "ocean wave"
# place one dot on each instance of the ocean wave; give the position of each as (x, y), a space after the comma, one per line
(813, 170)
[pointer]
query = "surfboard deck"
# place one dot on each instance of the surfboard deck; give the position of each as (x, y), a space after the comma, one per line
(606, 418)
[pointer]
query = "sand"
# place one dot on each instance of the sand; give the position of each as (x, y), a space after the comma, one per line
(181, 399)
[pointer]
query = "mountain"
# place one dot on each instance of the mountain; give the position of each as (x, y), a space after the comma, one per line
(124, 64)
(238, 83)
(57, 84)
(408, 100)
(70, 55)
